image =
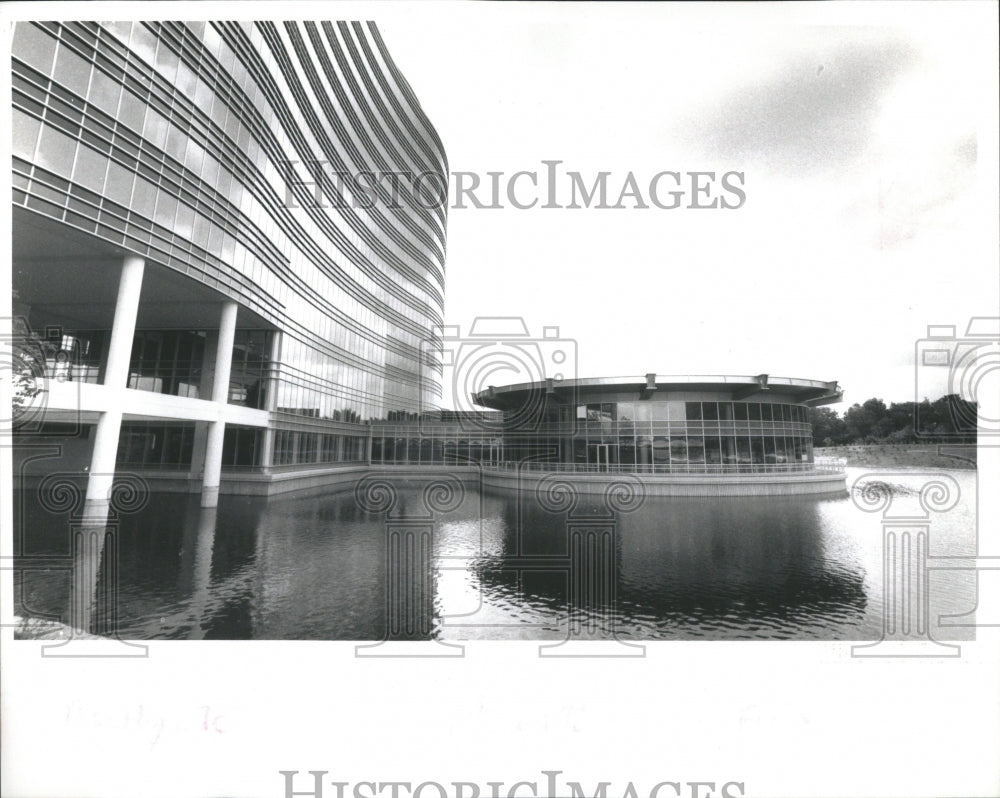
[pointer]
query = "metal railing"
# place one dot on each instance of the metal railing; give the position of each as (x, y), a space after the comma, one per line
(673, 469)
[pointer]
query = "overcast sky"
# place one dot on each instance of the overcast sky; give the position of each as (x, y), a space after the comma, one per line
(867, 139)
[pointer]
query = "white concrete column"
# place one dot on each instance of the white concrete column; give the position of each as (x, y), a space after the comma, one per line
(220, 395)
(267, 455)
(102, 461)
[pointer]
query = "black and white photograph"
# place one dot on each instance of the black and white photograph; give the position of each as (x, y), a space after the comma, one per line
(490, 400)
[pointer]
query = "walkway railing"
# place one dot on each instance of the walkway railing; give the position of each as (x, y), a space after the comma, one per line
(821, 466)
(694, 469)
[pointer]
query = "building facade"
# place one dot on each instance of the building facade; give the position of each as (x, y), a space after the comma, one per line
(662, 425)
(686, 435)
(206, 293)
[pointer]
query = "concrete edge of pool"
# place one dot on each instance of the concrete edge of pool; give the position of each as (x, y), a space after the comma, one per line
(818, 483)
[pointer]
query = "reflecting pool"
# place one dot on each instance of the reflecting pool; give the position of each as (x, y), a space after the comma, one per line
(415, 559)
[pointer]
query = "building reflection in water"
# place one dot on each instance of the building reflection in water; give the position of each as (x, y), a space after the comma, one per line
(682, 568)
(321, 567)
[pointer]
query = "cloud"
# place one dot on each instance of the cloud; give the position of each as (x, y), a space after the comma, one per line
(812, 114)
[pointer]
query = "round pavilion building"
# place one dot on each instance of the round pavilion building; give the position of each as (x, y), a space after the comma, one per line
(680, 435)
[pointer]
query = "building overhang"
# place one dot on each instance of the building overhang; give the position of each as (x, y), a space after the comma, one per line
(647, 387)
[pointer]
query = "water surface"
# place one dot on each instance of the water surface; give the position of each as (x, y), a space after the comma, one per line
(481, 564)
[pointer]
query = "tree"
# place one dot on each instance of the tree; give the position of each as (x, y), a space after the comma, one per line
(28, 362)
(827, 426)
(866, 422)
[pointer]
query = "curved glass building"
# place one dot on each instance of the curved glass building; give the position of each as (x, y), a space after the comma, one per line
(697, 434)
(689, 424)
(210, 251)
(679, 435)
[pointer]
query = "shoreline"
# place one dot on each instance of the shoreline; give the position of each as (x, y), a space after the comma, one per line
(31, 628)
(902, 455)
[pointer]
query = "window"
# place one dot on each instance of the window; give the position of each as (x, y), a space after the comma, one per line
(33, 45)
(155, 445)
(241, 446)
(307, 447)
(25, 133)
(71, 71)
(284, 447)
(57, 152)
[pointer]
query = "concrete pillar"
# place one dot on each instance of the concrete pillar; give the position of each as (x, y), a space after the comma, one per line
(267, 455)
(102, 461)
(267, 449)
(220, 395)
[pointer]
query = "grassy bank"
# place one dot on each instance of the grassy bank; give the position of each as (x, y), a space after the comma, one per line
(902, 455)
(28, 628)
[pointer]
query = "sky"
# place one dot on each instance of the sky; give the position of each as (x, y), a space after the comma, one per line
(866, 136)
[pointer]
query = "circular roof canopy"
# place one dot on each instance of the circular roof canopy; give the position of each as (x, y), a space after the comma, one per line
(739, 387)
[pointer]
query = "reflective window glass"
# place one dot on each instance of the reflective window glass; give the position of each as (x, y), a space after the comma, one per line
(184, 224)
(166, 61)
(119, 184)
(25, 134)
(728, 445)
(143, 197)
(104, 93)
(143, 42)
(132, 111)
(713, 451)
(91, 169)
(56, 151)
(186, 80)
(166, 209)
(693, 411)
(71, 71)
(33, 46)
(154, 129)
